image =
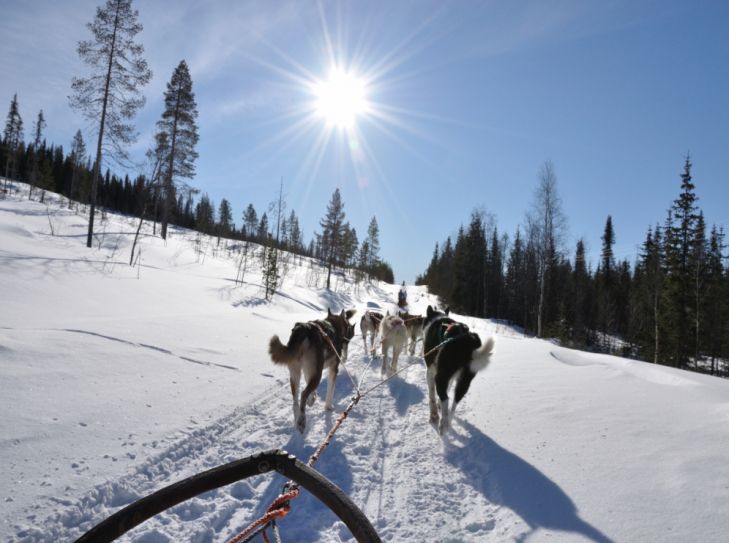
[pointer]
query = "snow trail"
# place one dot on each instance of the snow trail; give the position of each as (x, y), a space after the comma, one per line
(384, 457)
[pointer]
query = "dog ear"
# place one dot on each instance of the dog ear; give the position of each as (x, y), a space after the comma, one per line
(342, 314)
(350, 313)
(429, 311)
(329, 312)
(447, 310)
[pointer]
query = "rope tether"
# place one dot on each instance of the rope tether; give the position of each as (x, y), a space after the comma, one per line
(280, 507)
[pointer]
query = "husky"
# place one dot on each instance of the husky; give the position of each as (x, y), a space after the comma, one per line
(453, 353)
(370, 324)
(394, 335)
(414, 324)
(348, 335)
(312, 346)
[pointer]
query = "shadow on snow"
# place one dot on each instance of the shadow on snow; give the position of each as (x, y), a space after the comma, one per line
(505, 479)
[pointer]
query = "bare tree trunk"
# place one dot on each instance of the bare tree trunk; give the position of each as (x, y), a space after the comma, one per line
(136, 235)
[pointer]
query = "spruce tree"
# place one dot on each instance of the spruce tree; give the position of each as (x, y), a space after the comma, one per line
(205, 215)
(580, 296)
(38, 127)
(225, 218)
(13, 137)
(680, 246)
(111, 95)
(270, 270)
(715, 303)
(179, 123)
(295, 237)
(78, 157)
(606, 306)
(263, 230)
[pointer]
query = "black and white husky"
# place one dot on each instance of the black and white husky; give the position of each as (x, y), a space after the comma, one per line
(369, 324)
(394, 336)
(452, 353)
(309, 349)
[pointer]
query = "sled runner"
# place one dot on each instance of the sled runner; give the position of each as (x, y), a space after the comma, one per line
(276, 460)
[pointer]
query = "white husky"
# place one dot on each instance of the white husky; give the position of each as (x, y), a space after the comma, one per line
(394, 335)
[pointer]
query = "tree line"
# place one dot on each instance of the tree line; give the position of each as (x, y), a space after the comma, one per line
(670, 306)
(109, 98)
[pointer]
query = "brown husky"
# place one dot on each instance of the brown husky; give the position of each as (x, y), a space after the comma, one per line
(310, 349)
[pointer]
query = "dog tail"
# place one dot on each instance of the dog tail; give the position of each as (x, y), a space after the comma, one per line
(283, 354)
(482, 355)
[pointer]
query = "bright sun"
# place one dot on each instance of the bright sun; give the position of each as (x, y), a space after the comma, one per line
(341, 98)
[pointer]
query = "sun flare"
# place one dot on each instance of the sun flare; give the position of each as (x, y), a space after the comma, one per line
(341, 98)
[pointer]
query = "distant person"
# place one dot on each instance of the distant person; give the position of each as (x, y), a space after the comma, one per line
(402, 296)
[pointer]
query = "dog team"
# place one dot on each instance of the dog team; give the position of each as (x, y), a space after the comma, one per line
(453, 354)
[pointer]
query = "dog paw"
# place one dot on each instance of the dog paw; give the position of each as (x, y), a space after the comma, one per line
(443, 427)
(301, 424)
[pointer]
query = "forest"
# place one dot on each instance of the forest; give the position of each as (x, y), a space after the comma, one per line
(670, 306)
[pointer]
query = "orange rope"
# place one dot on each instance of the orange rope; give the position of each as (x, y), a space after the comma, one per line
(324, 444)
(279, 508)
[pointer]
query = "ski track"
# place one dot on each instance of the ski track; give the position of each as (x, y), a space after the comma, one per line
(386, 457)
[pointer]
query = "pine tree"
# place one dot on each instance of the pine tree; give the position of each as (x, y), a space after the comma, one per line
(111, 95)
(13, 137)
(178, 122)
(373, 242)
(38, 127)
(250, 222)
(332, 232)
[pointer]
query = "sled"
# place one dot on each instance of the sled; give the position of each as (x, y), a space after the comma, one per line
(275, 460)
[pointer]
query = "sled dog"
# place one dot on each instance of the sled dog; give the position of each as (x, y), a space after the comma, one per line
(348, 335)
(394, 336)
(460, 356)
(414, 324)
(309, 349)
(370, 324)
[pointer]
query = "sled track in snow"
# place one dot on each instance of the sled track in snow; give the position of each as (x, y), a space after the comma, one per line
(386, 457)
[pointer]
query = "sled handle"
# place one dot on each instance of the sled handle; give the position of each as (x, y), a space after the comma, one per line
(284, 463)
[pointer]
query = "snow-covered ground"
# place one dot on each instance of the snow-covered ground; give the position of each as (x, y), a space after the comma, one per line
(118, 380)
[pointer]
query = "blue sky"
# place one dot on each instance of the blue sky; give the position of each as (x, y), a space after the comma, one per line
(468, 100)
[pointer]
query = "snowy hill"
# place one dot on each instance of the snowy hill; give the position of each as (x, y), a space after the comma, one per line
(118, 380)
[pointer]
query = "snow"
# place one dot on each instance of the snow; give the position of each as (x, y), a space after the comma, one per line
(116, 381)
